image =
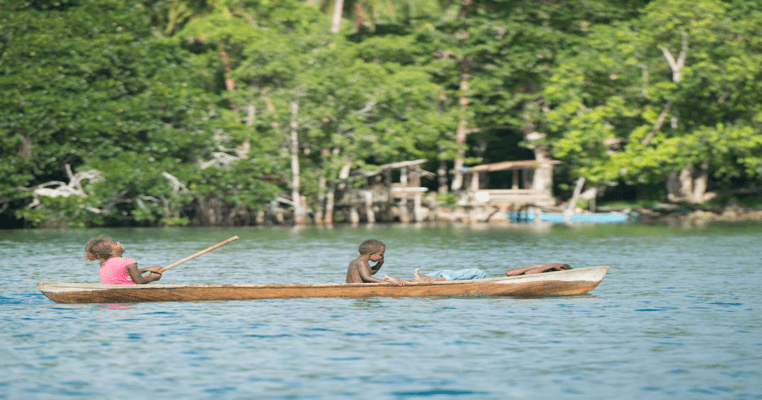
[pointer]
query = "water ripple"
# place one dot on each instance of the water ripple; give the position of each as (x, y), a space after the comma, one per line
(664, 324)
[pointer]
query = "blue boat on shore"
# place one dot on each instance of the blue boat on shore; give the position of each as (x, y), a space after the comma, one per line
(596, 218)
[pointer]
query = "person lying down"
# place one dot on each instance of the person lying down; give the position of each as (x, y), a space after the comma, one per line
(475, 273)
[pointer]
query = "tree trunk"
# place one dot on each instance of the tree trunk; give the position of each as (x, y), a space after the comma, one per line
(689, 184)
(462, 132)
(330, 198)
(404, 214)
(330, 204)
(321, 199)
(370, 215)
(322, 188)
(333, 186)
(700, 181)
(593, 198)
(542, 179)
(295, 171)
(442, 174)
(338, 9)
(577, 191)
(680, 184)
(460, 136)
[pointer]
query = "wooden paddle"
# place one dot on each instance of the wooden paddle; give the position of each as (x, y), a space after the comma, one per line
(220, 244)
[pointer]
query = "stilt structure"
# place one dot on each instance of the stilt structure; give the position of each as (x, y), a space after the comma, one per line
(526, 190)
(383, 199)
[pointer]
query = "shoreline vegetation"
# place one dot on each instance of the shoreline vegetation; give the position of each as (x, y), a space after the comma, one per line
(157, 113)
(657, 213)
(662, 212)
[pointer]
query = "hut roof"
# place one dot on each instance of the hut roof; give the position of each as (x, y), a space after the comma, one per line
(507, 165)
(396, 165)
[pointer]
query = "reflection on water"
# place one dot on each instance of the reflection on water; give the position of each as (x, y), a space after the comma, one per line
(677, 316)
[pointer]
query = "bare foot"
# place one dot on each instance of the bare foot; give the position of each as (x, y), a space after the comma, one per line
(423, 278)
(417, 275)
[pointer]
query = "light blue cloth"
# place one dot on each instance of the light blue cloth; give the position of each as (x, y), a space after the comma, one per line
(460, 275)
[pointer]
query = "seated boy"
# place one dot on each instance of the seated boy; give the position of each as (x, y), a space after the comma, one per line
(360, 271)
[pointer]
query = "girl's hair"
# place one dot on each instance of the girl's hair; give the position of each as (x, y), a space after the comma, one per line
(371, 246)
(100, 248)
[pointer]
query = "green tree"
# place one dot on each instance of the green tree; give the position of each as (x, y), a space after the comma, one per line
(493, 59)
(669, 99)
(86, 85)
(315, 86)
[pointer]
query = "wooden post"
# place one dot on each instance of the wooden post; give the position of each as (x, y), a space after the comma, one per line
(417, 207)
(388, 183)
(404, 216)
(415, 176)
(474, 184)
(369, 213)
(515, 183)
(442, 174)
(523, 183)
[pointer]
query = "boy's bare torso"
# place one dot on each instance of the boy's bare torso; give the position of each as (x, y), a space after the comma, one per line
(353, 272)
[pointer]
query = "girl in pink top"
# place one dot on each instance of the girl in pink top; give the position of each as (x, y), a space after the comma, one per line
(116, 270)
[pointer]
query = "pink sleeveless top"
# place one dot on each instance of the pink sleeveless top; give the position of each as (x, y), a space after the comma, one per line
(114, 271)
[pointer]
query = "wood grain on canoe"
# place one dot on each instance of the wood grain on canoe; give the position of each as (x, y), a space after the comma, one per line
(569, 282)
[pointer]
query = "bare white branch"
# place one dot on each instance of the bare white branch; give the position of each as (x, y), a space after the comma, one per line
(176, 184)
(219, 159)
(61, 189)
(677, 65)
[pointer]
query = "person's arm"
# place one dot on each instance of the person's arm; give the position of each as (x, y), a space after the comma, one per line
(137, 274)
(365, 274)
(376, 267)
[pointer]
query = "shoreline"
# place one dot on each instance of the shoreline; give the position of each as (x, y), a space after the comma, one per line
(677, 213)
(499, 215)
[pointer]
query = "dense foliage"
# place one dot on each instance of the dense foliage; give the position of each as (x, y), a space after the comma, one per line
(160, 112)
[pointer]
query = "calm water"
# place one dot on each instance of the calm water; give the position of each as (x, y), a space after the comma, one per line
(678, 316)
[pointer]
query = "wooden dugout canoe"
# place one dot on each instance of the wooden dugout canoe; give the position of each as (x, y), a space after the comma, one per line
(574, 281)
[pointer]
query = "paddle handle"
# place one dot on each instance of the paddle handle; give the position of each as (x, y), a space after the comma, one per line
(220, 244)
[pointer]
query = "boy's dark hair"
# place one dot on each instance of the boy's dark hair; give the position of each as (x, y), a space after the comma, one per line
(371, 246)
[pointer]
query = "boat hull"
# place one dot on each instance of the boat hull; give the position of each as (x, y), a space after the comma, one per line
(569, 282)
(557, 218)
(590, 218)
